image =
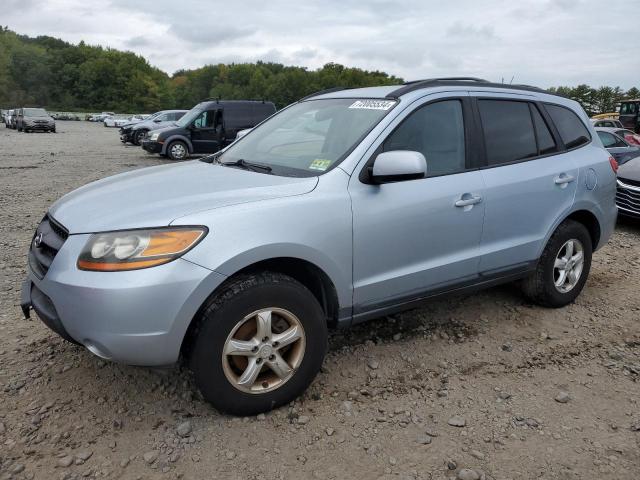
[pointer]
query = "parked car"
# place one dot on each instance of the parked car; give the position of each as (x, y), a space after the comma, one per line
(65, 116)
(122, 121)
(618, 147)
(34, 120)
(630, 114)
(240, 263)
(630, 137)
(136, 132)
(9, 119)
(628, 191)
(607, 122)
(207, 127)
(99, 117)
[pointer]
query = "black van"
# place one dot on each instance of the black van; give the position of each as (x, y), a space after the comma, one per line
(208, 127)
(630, 114)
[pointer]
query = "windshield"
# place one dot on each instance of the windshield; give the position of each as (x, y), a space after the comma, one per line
(35, 112)
(189, 117)
(308, 138)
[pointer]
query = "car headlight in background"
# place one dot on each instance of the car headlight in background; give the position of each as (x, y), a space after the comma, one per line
(154, 137)
(135, 249)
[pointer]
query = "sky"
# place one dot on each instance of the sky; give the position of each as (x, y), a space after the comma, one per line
(537, 42)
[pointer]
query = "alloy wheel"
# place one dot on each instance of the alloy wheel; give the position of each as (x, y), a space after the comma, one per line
(568, 265)
(264, 350)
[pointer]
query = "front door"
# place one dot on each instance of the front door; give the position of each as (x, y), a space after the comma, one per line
(413, 237)
(206, 132)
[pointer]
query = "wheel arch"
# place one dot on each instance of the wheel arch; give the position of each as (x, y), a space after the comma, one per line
(591, 223)
(304, 271)
(173, 138)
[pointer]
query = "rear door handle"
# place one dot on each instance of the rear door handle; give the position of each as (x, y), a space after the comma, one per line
(467, 200)
(563, 179)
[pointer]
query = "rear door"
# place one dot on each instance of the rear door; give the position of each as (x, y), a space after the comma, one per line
(529, 184)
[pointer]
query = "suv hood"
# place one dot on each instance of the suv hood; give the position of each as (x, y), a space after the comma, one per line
(155, 196)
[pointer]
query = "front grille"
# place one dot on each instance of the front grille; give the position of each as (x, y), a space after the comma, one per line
(49, 237)
(628, 197)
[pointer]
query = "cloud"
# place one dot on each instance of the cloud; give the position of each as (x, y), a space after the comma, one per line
(467, 30)
(203, 33)
(541, 42)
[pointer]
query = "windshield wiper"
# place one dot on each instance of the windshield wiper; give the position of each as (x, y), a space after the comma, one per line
(247, 165)
(213, 158)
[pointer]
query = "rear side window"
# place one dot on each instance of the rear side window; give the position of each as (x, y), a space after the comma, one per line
(508, 131)
(437, 131)
(572, 130)
(546, 143)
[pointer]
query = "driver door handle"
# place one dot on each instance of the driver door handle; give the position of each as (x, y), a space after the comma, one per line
(467, 200)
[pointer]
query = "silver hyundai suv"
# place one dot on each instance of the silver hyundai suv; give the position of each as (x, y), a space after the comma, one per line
(345, 206)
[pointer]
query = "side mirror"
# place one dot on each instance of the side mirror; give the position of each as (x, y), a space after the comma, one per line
(397, 166)
(156, 120)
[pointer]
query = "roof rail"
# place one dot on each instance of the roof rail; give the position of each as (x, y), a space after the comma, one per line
(218, 100)
(457, 81)
(322, 92)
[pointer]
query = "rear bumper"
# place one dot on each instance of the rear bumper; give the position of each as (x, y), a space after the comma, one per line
(152, 146)
(139, 317)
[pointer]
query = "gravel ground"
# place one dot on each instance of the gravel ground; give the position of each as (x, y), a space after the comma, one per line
(482, 386)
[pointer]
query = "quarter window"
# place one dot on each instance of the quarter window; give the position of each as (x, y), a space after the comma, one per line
(572, 130)
(546, 143)
(437, 131)
(508, 131)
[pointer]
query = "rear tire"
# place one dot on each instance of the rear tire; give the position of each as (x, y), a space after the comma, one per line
(563, 267)
(232, 317)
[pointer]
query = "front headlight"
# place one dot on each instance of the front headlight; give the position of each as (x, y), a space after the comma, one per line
(154, 137)
(135, 249)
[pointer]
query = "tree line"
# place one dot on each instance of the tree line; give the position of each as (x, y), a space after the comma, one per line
(49, 72)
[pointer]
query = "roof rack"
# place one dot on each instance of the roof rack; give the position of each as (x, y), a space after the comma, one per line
(322, 92)
(219, 99)
(456, 81)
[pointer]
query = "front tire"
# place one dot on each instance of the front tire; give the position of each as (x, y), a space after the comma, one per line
(177, 150)
(138, 137)
(258, 344)
(563, 267)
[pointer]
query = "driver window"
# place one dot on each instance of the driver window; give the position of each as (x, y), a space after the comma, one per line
(437, 131)
(205, 119)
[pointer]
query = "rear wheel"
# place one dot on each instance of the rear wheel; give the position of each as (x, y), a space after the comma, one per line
(563, 267)
(258, 344)
(177, 150)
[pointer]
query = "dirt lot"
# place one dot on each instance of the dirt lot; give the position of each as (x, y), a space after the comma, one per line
(531, 393)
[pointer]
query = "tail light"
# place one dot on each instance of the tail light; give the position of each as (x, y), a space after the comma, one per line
(614, 164)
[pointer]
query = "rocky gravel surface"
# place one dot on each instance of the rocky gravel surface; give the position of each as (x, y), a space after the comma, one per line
(477, 387)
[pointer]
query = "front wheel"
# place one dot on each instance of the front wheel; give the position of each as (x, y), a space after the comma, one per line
(563, 268)
(177, 150)
(258, 344)
(138, 137)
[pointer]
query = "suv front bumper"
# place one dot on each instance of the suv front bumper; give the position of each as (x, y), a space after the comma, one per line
(137, 317)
